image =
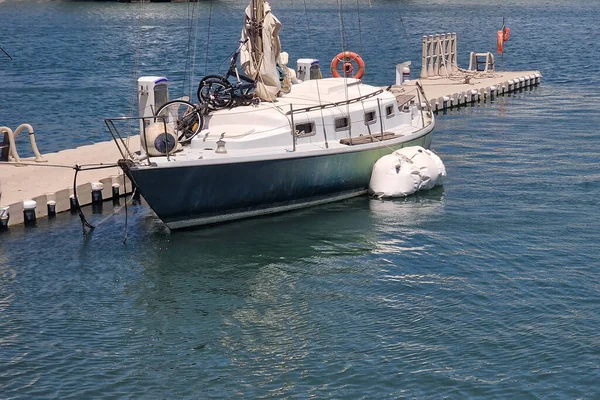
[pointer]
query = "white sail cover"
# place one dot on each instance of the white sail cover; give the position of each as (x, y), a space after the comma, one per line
(259, 56)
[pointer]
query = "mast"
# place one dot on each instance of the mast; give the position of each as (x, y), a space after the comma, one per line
(256, 25)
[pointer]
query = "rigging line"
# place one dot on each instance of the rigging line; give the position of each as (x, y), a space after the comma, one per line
(188, 50)
(293, 24)
(342, 29)
(322, 117)
(4, 51)
(126, 212)
(193, 69)
(402, 22)
(346, 93)
(137, 58)
(360, 42)
(208, 37)
(361, 49)
(308, 30)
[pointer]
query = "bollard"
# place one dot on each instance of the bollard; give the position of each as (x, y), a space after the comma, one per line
(116, 193)
(29, 212)
(97, 188)
(474, 93)
(73, 204)
(446, 101)
(51, 204)
(4, 217)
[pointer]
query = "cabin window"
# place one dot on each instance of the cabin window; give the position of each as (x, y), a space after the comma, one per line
(305, 129)
(389, 111)
(341, 124)
(370, 117)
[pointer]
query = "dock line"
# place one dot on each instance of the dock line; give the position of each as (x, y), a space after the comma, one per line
(82, 167)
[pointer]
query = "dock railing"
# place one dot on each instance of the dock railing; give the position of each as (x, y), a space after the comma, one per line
(439, 56)
(8, 147)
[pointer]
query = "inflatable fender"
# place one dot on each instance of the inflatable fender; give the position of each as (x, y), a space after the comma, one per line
(424, 163)
(158, 142)
(440, 165)
(394, 176)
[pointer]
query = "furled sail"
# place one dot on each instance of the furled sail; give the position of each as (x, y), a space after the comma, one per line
(260, 54)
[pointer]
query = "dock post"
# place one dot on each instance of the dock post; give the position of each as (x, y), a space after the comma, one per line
(29, 212)
(473, 95)
(51, 205)
(73, 204)
(4, 217)
(484, 93)
(97, 188)
(115, 193)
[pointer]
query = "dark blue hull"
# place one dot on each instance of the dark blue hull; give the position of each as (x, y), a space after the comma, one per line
(189, 195)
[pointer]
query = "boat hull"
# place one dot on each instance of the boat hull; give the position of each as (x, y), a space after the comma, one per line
(193, 195)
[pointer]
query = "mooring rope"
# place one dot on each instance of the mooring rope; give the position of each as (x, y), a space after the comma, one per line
(84, 222)
(82, 167)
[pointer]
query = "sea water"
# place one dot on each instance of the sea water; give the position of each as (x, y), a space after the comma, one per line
(487, 287)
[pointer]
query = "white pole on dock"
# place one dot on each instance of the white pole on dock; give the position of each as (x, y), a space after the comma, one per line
(430, 52)
(424, 59)
(454, 53)
(436, 55)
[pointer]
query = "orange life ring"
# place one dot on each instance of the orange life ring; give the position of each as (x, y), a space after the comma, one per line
(506, 33)
(347, 57)
(500, 41)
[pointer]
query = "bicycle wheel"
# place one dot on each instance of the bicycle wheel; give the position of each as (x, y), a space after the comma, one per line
(183, 117)
(215, 91)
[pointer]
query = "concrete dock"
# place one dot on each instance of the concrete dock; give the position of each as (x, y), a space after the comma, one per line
(466, 88)
(52, 181)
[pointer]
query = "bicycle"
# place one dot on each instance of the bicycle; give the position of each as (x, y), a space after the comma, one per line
(218, 92)
(187, 119)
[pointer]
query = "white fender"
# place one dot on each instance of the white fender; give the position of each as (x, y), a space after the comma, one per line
(426, 165)
(156, 141)
(394, 176)
(440, 165)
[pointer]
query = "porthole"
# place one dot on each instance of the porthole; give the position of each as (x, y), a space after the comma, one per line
(341, 124)
(389, 111)
(305, 129)
(370, 117)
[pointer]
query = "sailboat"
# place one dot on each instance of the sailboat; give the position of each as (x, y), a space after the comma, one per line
(295, 140)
